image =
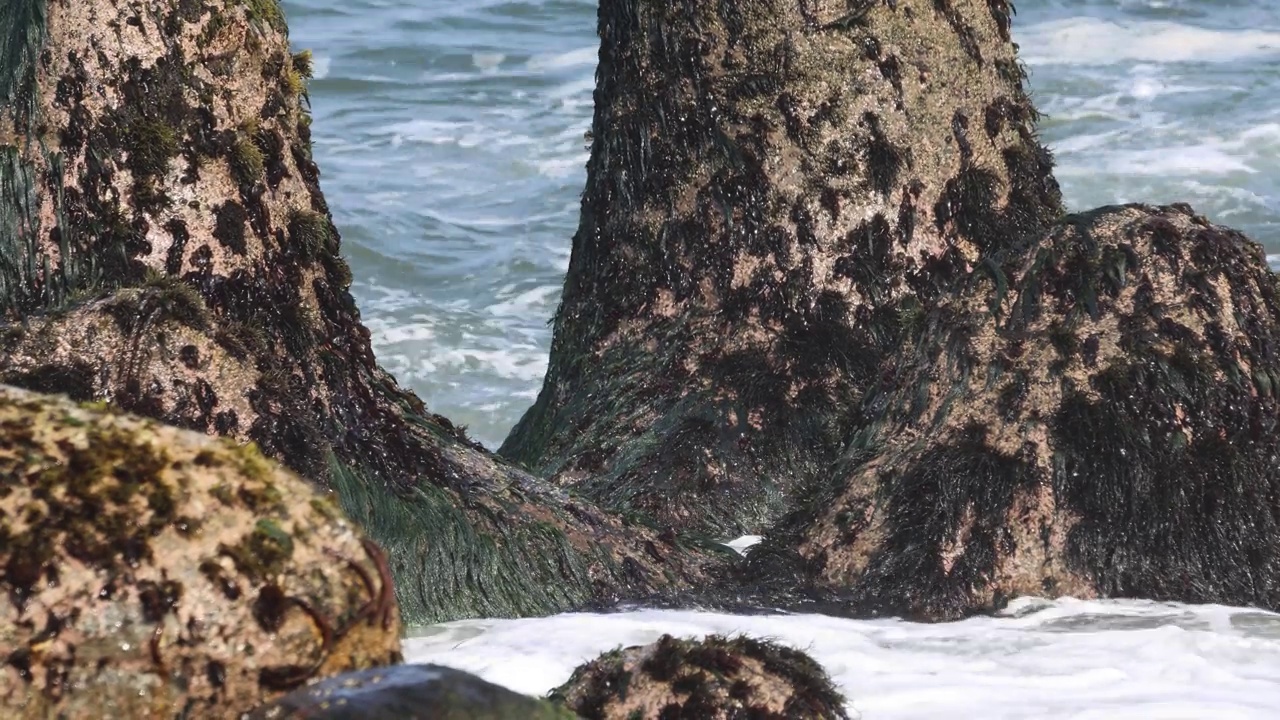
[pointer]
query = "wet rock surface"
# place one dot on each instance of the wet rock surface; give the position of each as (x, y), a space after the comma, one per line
(408, 692)
(149, 571)
(1094, 414)
(715, 678)
(776, 195)
(165, 246)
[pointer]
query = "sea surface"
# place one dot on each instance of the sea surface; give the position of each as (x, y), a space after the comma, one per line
(450, 137)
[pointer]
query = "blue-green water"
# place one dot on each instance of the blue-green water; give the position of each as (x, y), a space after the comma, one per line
(450, 135)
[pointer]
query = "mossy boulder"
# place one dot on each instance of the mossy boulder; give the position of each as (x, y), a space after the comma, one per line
(1094, 414)
(406, 692)
(149, 571)
(715, 678)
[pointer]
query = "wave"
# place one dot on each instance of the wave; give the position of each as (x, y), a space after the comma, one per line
(1093, 41)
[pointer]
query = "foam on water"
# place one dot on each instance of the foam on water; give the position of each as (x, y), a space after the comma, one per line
(581, 57)
(1063, 659)
(1094, 41)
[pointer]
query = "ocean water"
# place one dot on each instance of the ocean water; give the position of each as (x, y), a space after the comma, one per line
(450, 137)
(1063, 660)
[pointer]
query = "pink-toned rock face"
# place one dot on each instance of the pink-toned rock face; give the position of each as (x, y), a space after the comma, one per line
(168, 142)
(776, 193)
(154, 572)
(1093, 416)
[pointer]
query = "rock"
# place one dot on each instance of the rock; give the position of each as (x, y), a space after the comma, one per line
(1094, 414)
(167, 248)
(408, 692)
(715, 678)
(149, 571)
(776, 194)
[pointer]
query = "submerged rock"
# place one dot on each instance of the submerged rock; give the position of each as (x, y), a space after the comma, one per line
(715, 678)
(1095, 414)
(408, 692)
(149, 571)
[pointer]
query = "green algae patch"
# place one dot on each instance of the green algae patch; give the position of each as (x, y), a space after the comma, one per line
(302, 63)
(247, 161)
(448, 566)
(22, 31)
(267, 12)
(263, 553)
(159, 297)
(151, 144)
(311, 235)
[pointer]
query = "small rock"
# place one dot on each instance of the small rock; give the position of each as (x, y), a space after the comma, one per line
(712, 679)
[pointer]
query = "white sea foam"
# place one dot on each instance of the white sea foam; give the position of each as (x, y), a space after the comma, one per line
(487, 62)
(1094, 41)
(320, 65)
(745, 543)
(1044, 660)
(562, 167)
(1202, 159)
(522, 304)
(581, 57)
(1249, 150)
(514, 361)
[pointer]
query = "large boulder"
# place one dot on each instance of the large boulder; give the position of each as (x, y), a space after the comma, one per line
(776, 194)
(149, 571)
(1094, 414)
(165, 246)
(715, 678)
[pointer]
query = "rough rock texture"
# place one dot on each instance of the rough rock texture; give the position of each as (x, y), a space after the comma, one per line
(408, 692)
(149, 571)
(777, 191)
(1094, 415)
(165, 246)
(714, 678)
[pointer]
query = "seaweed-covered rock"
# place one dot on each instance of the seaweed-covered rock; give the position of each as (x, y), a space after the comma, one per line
(777, 191)
(165, 247)
(408, 692)
(149, 571)
(1095, 414)
(715, 678)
